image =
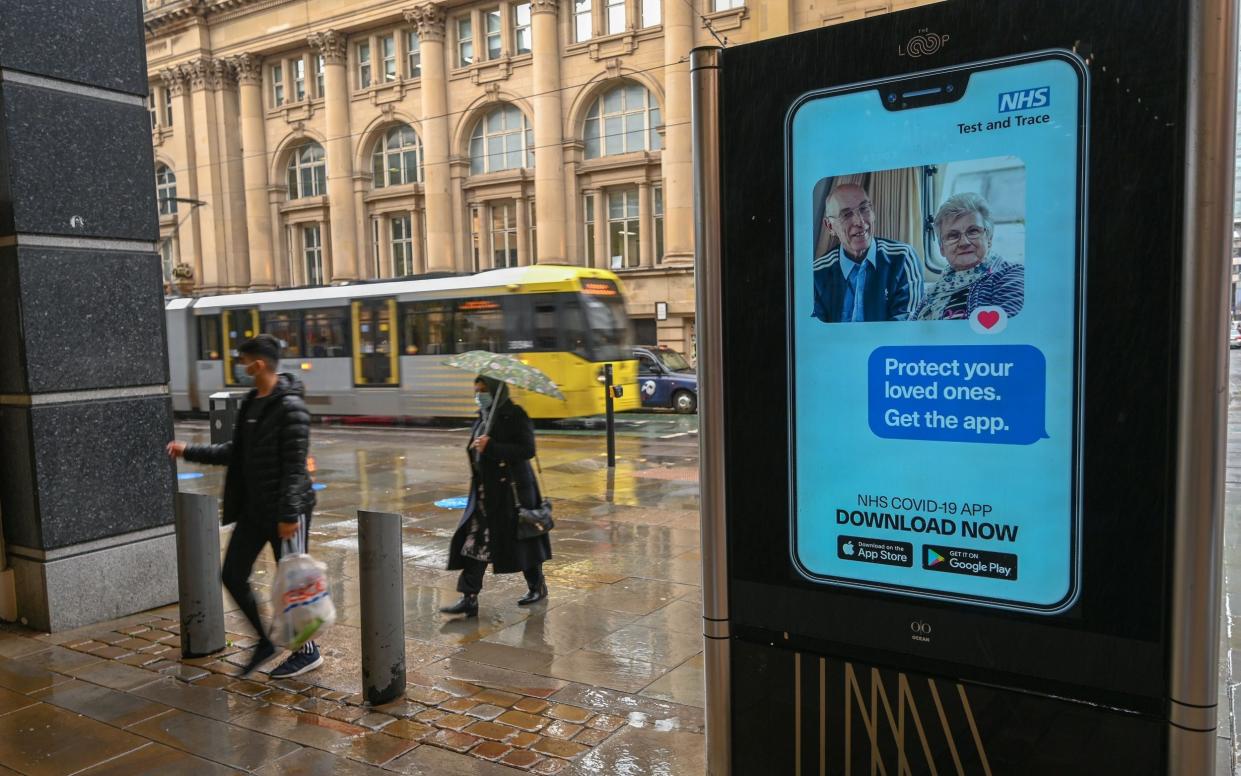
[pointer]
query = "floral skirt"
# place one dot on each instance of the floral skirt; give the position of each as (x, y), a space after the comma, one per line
(477, 544)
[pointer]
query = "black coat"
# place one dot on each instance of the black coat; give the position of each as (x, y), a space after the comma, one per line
(276, 487)
(505, 463)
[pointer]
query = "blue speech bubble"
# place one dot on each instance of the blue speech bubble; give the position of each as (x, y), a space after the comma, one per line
(989, 394)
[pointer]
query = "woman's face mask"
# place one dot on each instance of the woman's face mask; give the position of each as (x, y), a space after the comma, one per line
(482, 399)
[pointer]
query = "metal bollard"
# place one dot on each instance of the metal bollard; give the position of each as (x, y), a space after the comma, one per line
(382, 589)
(198, 575)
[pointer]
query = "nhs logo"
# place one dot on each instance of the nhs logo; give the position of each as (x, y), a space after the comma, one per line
(1025, 99)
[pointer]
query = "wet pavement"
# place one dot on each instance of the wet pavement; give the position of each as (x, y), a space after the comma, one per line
(606, 676)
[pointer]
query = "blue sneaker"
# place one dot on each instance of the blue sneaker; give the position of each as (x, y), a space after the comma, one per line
(305, 659)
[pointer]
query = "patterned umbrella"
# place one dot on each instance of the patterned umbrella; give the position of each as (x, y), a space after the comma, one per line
(506, 369)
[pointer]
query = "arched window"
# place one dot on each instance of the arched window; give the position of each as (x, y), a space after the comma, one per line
(397, 158)
(307, 172)
(502, 140)
(166, 190)
(621, 121)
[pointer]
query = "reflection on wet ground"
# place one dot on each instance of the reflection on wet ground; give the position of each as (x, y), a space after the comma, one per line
(606, 676)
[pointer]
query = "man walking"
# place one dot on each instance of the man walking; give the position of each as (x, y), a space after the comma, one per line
(267, 489)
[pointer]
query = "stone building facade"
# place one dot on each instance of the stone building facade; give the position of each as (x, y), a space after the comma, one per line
(305, 142)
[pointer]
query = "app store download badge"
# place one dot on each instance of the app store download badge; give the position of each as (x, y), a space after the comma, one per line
(974, 563)
(881, 551)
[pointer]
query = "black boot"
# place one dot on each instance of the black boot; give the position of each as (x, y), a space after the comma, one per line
(535, 595)
(468, 605)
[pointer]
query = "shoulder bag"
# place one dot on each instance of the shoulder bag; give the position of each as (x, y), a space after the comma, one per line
(533, 522)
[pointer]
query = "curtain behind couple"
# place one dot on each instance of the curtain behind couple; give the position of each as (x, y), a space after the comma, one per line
(896, 203)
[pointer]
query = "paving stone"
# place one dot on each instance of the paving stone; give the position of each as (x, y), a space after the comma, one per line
(485, 711)
(185, 673)
(89, 646)
(134, 630)
(401, 709)
(522, 721)
(531, 705)
(114, 708)
(565, 749)
(155, 649)
(219, 741)
(457, 688)
(139, 659)
(224, 668)
(458, 705)
(547, 767)
(219, 681)
(524, 740)
(118, 676)
(161, 664)
(454, 721)
(108, 637)
(492, 731)
(409, 730)
(373, 720)
(376, 748)
(283, 699)
(497, 698)
(112, 652)
(606, 723)
(562, 730)
(316, 706)
(249, 689)
(591, 737)
(520, 758)
(133, 644)
(425, 695)
(430, 715)
(347, 713)
(452, 739)
(491, 750)
(291, 685)
(568, 713)
(55, 740)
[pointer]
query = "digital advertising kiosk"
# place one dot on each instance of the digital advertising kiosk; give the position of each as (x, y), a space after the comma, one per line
(963, 273)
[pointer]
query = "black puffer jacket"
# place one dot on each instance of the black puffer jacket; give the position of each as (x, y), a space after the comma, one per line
(277, 486)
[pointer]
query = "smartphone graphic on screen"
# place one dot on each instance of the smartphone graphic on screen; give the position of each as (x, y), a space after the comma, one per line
(935, 278)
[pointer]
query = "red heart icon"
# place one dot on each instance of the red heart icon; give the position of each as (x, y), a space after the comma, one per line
(989, 318)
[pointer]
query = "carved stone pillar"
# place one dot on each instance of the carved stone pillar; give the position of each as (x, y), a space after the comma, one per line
(176, 81)
(332, 46)
(209, 173)
(549, 191)
(429, 21)
(254, 151)
(677, 158)
(646, 226)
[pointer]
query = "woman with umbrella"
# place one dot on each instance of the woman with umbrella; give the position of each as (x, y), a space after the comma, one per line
(501, 446)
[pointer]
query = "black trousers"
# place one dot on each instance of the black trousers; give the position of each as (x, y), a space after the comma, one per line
(244, 547)
(471, 580)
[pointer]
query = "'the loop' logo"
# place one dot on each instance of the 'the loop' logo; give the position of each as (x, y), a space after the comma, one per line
(920, 631)
(923, 44)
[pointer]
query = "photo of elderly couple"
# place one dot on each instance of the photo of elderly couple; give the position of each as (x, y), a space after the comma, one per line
(930, 243)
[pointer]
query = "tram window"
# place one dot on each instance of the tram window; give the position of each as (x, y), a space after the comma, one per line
(576, 338)
(546, 332)
(327, 333)
(609, 327)
(209, 338)
(478, 324)
(286, 327)
(427, 330)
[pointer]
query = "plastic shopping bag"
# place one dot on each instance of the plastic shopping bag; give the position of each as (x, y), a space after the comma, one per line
(301, 602)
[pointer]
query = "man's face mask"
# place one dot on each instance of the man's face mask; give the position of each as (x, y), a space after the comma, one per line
(246, 373)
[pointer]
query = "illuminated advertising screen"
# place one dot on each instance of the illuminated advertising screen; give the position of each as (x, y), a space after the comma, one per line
(935, 281)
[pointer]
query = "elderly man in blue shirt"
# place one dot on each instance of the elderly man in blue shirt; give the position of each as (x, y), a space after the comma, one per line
(864, 278)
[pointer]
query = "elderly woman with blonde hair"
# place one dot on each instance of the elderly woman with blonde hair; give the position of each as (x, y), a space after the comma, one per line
(976, 277)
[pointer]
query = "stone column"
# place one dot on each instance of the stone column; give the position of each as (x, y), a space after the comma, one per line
(331, 44)
(677, 153)
(646, 226)
(385, 246)
(549, 190)
(603, 257)
(523, 230)
(86, 489)
(232, 175)
(186, 170)
(209, 175)
(415, 236)
(279, 236)
(486, 249)
(254, 151)
(437, 188)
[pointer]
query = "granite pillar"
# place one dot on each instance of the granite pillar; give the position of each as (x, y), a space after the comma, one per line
(429, 20)
(85, 487)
